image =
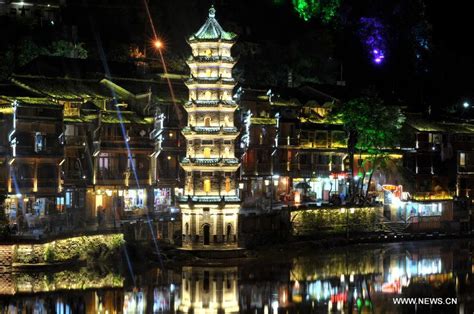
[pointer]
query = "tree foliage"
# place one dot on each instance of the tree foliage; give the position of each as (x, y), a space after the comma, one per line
(26, 50)
(62, 48)
(374, 129)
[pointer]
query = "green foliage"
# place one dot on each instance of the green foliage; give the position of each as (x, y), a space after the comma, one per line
(49, 256)
(377, 125)
(7, 62)
(373, 129)
(65, 280)
(326, 10)
(306, 8)
(64, 250)
(333, 220)
(28, 50)
(68, 49)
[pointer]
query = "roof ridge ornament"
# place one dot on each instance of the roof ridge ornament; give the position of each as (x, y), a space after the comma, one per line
(212, 12)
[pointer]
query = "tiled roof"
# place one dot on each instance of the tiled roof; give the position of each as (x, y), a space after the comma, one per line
(211, 30)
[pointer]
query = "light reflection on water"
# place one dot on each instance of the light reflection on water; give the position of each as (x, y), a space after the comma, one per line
(357, 280)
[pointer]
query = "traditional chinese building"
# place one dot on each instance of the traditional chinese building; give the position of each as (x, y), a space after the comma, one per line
(211, 205)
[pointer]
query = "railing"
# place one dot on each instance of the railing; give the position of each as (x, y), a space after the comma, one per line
(119, 141)
(75, 140)
(423, 170)
(108, 174)
(47, 183)
(23, 150)
(466, 168)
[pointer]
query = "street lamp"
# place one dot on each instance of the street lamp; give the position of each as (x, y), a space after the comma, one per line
(158, 44)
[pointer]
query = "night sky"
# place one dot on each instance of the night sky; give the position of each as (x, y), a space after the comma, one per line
(426, 58)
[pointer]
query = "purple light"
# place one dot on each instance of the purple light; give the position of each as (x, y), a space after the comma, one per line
(377, 56)
(372, 35)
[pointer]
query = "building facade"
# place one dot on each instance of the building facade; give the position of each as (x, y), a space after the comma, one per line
(210, 205)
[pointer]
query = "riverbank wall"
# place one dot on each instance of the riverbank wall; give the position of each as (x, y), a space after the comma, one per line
(50, 252)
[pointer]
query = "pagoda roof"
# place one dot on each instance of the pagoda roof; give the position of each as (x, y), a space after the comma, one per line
(207, 59)
(210, 103)
(212, 30)
(211, 80)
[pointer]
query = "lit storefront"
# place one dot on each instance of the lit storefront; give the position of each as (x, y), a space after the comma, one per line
(32, 208)
(133, 199)
(404, 207)
(162, 198)
(321, 189)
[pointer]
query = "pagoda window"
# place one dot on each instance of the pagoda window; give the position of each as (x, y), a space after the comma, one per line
(226, 121)
(207, 142)
(208, 52)
(226, 152)
(207, 95)
(207, 185)
(104, 161)
(207, 152)
(207, 121)
(40, 142)
(227, 184)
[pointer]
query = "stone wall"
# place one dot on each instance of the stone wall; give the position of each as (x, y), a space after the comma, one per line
(58, 251)
(327, 221)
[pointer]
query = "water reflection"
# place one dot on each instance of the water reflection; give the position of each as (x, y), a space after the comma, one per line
(361, 280)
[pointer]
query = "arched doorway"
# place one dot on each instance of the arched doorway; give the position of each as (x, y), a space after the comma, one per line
(207, 121)
(207, 234)
(186, 232)
(229, 233)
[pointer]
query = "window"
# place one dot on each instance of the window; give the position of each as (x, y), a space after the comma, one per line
(60, 204)
(227, 184)
(207, 121)
(68, 199)
(321, 139)
(207, 152)
(40, 142)
(104, 161)
(462, 159)
(207, 185)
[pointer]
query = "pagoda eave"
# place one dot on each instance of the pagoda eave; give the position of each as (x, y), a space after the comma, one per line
(194, 108)
(194, 135)
(219, 167)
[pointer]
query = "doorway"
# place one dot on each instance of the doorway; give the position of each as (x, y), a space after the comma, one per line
(207, 235)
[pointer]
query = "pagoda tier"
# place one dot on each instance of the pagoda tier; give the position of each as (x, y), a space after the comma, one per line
(206, 105)
(210, 204)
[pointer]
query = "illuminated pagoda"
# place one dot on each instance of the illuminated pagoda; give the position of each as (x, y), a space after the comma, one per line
(210, 205)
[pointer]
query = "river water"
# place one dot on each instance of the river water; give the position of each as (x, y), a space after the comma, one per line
(361, 279)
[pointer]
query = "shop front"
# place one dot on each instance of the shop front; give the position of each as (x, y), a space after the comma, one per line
(322, 189)
(114, 204)
(162, 199)
(32, 211)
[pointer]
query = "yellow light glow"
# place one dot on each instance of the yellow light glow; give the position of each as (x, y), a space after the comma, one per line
(297, 197)
(158, 44)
